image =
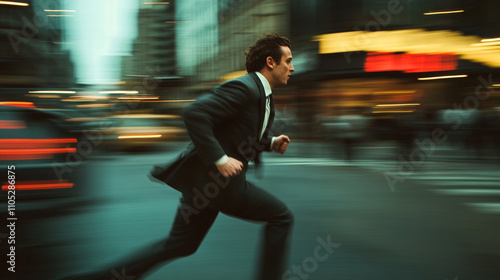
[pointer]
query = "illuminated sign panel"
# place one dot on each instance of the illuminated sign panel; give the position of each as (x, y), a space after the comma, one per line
(410, 63)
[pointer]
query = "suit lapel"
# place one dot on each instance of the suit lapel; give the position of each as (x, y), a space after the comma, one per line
(262, 106)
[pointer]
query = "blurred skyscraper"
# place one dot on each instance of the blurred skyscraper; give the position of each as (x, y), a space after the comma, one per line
(241, 23)
(213, 35)
(154, 51)
(197, 38)
(33, 45)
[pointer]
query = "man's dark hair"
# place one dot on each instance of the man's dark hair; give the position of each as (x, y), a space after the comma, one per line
(269, 45)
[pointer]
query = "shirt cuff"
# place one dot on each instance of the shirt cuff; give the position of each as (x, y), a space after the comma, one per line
(223, 160)
(272, 142)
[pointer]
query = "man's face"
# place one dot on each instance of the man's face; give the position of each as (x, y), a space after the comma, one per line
(281, 72)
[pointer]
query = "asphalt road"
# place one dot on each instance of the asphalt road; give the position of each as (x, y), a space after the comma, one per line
(373, 230)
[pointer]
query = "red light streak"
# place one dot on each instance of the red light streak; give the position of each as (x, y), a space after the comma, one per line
(34, 143)
(39, 185)
(30, 149)
(18, 104)
(25, 154)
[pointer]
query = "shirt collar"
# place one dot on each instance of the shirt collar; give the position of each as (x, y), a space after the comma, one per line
(265, 83)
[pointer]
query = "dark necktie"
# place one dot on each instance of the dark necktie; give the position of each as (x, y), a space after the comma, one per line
(266, 115)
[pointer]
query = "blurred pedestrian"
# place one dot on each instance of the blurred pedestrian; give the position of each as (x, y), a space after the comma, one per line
(408, 125)
(229, 127)
(352, 126)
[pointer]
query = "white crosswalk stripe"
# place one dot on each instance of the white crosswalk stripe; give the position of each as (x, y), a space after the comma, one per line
(475, 187)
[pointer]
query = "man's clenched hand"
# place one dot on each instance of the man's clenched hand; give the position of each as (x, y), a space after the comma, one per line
(280, 143)
(231, 168)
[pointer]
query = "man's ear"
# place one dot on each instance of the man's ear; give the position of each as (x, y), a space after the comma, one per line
(270, 62)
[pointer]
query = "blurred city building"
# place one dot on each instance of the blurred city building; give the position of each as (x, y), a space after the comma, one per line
(152, 68)
(33, 49)
(214, 35)
(243, 22)
(154, 47)
(198, 40)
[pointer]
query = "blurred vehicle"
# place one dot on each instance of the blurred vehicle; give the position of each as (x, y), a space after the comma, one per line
(40, 153)
(133, 131)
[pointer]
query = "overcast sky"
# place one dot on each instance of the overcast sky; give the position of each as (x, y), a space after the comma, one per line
(100, 33)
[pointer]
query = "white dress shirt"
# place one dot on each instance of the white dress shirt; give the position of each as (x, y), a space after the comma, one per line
(267, 91)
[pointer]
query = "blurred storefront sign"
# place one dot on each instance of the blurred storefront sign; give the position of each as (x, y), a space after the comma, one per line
(411, 41)
(410, 63)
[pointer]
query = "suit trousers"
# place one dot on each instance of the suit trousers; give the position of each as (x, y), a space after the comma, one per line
(191, 224)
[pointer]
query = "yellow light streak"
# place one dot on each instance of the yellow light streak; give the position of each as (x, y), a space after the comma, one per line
(490, 40)
(443, 77)
(443, 12)
(399, 111)
(91, 96)
(45, 95)
(397, 105)
(395, 92)
(12, 3)
(93, 105)
(139, 136)
(180, 100)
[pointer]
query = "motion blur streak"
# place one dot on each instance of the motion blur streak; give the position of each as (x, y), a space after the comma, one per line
(26, 154)
(12, 3)
(12, 125)
(443, 12)
(139, 136)
(40, 185)
(28, 149)
(34, 143)
(18, 104)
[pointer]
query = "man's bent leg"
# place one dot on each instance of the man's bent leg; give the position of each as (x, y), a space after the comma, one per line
(188, 230)
(259, 205)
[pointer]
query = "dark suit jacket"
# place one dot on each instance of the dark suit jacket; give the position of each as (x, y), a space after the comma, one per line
(226, 121)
